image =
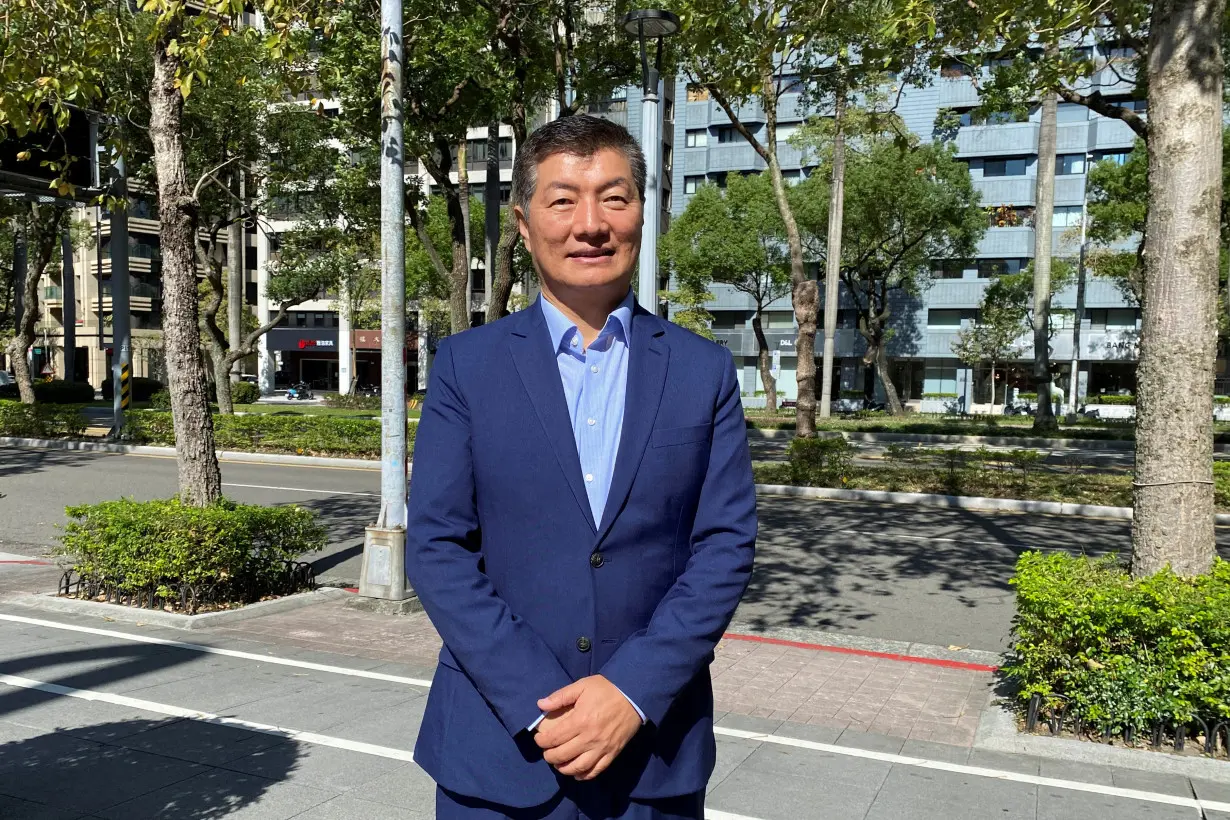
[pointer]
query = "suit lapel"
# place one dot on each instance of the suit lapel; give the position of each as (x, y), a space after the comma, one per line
(646, 377)
(530, 344)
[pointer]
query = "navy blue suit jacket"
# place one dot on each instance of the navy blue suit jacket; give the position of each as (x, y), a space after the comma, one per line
(500, 548)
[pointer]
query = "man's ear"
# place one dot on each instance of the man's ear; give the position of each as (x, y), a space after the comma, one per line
(523, 226)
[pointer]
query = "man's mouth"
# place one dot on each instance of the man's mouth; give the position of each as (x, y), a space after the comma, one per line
(592, 253)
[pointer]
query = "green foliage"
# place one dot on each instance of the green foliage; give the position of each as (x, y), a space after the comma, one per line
(54, 391)
(160, 400)
(352, 401)
(939, 395)
(1110, 398)
(1121, 652)
(1221, 484)
(245, 393)
(142, 388)
(142, 545)
(270, 433)
(41, 420)
(824, 462)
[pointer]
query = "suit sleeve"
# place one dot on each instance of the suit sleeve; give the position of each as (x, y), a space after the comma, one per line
(509, 663)
(654, 665)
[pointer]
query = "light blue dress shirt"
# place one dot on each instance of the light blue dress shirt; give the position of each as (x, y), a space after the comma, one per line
(595, 382)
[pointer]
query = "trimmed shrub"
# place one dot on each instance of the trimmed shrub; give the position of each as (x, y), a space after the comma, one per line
(245, 393)
(266, 432)
(54, 391)
(939, 395)
(142, 388)
(236, 552)
(41, 420)
(352, 401)
(160, 400)
(824, 462)
(1027, 396)
(1119, 652)
(1111, 399)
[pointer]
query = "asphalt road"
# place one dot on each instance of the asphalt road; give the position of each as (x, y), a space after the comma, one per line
(903, 573)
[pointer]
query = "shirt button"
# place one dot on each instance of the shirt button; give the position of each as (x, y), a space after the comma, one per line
(591, 422)
(574, 341)
(596, 560)
(589, 476)
(583, 644)
(593, 368)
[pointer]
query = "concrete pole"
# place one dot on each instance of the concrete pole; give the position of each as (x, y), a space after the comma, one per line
(121, 320)
(345, 356)
(651, 144)
(236, 252)
(68, 292)
(383, 574)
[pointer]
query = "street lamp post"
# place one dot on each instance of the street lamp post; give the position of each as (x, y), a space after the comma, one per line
(654, 24)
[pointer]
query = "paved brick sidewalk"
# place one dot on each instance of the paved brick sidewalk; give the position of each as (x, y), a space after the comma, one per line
(839, 690)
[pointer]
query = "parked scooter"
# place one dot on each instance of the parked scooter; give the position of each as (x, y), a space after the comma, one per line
(299, 391)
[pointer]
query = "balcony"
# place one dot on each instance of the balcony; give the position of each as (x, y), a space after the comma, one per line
(998, 140)
(1111, 135)
(696, 114)
(53, 296)
(736, 156)
(1070, 190)
(1007, 243)
(140, 297)
(695, 160)
(1072, 137)
(1006, 190)
(750, 111)
(957, 92)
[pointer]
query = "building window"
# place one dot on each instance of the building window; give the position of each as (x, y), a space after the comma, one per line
(791, 84)
(697, 138)
(729, 319)
(690, 184)
(301, 320)
(1071, 112)
(1006, 216)
(505, 193)
(719, 179)
(668, 111)
(940, 379)
(956, 69)
(792, 177)
(668, 158)
(1013, 167)
(989, 268)
(1067, 164)
(666, 199)
(697, 93)
(1139, 106)
(943, 318)
(948, 269)
(1066, 216)
(727, 134)
(786, 131)
(779, 320)
(971, 116)
(1117, 157)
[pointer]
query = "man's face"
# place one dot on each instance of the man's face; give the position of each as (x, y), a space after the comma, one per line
(584, 224)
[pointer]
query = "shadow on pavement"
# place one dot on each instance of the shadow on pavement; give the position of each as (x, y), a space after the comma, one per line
(15, 461)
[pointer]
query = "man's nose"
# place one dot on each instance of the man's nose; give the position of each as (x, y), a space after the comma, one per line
(589, 220)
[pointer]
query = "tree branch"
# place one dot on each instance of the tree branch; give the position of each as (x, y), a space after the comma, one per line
(721, 99)
(1097, 103)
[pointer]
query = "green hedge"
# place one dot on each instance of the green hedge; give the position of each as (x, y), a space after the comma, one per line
(1121, 652)
(1110, 399)
(264, 432)
(939, 395)
(239, 550)
(245, 393)
(160, 400)
(1027, 396)
(352, 401)
(53, 391)
(142, 388)
(41, 420)
(823, 462)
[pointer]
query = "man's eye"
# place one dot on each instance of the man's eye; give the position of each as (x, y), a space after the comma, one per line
(618, 200)
(561, 201)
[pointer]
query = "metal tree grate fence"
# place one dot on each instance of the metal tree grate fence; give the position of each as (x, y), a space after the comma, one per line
(295, 576)
(1212, 737)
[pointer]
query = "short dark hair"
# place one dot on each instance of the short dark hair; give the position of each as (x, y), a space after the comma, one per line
(580, 135)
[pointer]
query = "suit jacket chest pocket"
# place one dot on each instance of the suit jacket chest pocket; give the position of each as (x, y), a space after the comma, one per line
(691, 435)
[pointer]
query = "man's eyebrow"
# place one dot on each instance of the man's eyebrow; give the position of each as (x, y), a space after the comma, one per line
(566, 186)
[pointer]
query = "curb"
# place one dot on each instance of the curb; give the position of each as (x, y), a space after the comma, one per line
(962, 502)
(50, 602)
(234, 456)
(942, 438)
(997, 732)
(877, 647)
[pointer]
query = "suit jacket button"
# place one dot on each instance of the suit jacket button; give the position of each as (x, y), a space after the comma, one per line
(596, 560)
(583, 644)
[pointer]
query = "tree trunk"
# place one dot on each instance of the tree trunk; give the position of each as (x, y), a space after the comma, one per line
(223, 367)
(491, 211)
(463, 194)
(459, 276)
(833, 266)
(762, 360)
(1173, 504)
(890, 389)
(502, 284)
(28, 288)
(200, 481)
(805, 291)
(1044, 419)
(992, 387)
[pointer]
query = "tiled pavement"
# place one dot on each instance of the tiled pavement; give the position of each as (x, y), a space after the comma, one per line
(836, 690)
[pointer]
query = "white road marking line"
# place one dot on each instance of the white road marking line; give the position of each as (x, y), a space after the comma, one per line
(976, 771)
(299, 489)
(229, 653)
(206, 717)
(714, 814)
(926, 538)
(721, 731)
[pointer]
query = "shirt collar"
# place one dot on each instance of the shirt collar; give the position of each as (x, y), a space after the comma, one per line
(561, 328)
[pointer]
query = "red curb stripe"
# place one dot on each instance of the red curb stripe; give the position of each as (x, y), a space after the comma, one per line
(867, 653)
(29, 563)
(351, 589)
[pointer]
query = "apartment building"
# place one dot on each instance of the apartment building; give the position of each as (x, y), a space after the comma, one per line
(1002, 155)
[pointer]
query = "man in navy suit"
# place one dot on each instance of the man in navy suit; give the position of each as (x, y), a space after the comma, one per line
(582, 520)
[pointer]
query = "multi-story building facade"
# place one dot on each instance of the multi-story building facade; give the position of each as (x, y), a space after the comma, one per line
(1002, 156)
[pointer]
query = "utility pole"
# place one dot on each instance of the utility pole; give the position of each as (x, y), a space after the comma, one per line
(68, 292)
(1074, 376)
(236, 253)
(832, 268)
(384, 551)
(121, 320)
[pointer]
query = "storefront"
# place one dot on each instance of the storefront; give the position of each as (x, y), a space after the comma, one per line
(367, 359)
(305, 354)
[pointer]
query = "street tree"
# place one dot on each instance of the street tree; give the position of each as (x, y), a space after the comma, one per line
(1173, 51)
(734, 238)
(40, 225)
(904, 208)
(995, 336)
